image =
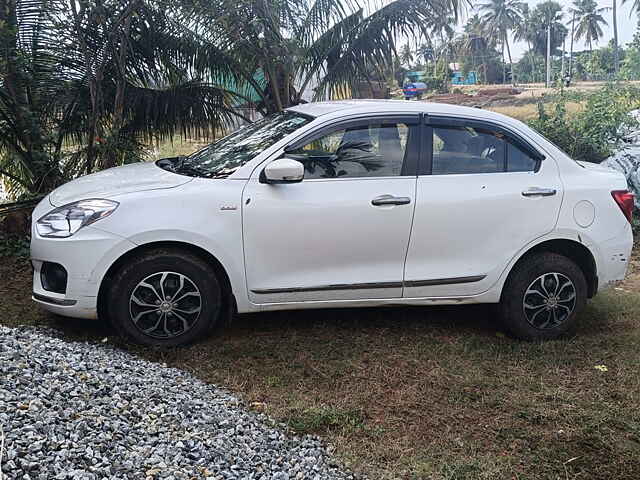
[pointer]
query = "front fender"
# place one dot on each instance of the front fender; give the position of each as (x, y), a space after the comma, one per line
(204, 213)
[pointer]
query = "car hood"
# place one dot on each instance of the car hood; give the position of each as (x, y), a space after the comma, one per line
(136, 177)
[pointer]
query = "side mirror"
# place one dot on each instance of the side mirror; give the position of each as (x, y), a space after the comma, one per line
(282, 170)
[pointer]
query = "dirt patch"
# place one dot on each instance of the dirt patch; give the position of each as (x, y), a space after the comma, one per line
(503, 91)
(15, 219)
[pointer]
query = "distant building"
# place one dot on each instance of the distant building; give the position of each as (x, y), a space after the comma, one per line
(458, 78)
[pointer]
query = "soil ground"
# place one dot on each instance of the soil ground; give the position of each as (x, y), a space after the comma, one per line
(433, 393)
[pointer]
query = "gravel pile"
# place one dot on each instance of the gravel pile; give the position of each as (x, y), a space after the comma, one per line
(83, 411)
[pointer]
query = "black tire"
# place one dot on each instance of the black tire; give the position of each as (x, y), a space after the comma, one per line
(193, 284)
(543, 318)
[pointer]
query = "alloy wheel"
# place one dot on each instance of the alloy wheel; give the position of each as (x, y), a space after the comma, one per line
(549, 300)
(165, 305)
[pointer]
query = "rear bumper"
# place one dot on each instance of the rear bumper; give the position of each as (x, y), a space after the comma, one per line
(613, 259)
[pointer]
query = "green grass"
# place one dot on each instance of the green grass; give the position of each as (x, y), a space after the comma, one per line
(421, 393)
(325, 419)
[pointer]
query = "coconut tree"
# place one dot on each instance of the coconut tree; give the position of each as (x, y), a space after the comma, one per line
(475, 42)
(590, 21)
(502, 16)
(635, 6)
(406, 55)
(282, 48)
(443, 28)
(548, 15)
(84, 84)
(524, 30)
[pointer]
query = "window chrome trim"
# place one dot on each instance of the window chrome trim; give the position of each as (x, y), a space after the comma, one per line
(357, 179)
(372, 285)
(411, 158)
(425, 166)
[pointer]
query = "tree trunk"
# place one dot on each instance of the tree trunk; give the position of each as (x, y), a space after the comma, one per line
(274, 86)
(573, 25)
(513, 74)
(93, 80)
(533, 62)
(548, 80)
(616, 58)
(564, 49)
(504, 65)
(111, 159)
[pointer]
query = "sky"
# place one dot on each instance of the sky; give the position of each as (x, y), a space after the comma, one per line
(626, 25)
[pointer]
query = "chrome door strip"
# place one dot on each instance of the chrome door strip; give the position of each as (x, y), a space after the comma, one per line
(444, 281)
(336, 286)
(365, 286)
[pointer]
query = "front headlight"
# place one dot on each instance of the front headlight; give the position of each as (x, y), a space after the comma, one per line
(64, 221)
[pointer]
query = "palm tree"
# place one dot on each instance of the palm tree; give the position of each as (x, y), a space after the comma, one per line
(547, 15)
(523, 31)
(475, 42)
(443, 29)
(82, 87)
(635, 7)
(590, 21)
(502, 16)
(85, 85)
(294, 44)
(406, 55)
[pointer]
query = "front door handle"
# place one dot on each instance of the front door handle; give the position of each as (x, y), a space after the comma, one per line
(539, 192)
(390, 200)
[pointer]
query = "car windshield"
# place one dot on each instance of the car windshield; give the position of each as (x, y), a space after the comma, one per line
(222, 158)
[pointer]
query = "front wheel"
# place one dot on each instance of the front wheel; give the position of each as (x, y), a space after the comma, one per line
(164, 298)
(542, 297)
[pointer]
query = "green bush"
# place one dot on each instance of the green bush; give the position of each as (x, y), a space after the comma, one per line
(598, 129)
(436, 84)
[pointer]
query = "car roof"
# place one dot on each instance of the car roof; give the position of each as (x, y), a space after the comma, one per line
(319, 109)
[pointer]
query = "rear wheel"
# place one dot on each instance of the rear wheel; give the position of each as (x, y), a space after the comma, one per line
(542, 297)
(165, 297)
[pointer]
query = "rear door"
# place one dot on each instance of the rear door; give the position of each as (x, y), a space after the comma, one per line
(483, 193)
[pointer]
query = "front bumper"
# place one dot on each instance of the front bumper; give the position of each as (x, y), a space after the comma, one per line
(86, 256)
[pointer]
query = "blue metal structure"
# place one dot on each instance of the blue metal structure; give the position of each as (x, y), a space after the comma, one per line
(459, 78)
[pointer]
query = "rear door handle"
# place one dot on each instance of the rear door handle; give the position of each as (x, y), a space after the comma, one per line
(539, 192)
(390, 200)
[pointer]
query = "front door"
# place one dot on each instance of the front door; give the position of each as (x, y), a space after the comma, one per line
(341, 233)
(483, 193)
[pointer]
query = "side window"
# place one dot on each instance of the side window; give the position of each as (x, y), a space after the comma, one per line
(459, 150)
(373, 150)
(519, 161)
(465, 150)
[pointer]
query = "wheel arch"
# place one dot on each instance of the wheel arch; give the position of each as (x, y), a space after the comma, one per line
(229, 303)
(573, 250)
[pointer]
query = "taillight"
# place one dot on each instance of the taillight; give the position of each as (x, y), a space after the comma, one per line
(624, 199)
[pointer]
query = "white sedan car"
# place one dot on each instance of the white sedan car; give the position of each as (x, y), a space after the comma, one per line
(337, 204)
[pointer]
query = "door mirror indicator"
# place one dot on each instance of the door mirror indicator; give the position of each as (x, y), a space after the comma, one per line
(282, 170)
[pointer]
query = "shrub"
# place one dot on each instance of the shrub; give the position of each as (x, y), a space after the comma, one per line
(596, 131)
